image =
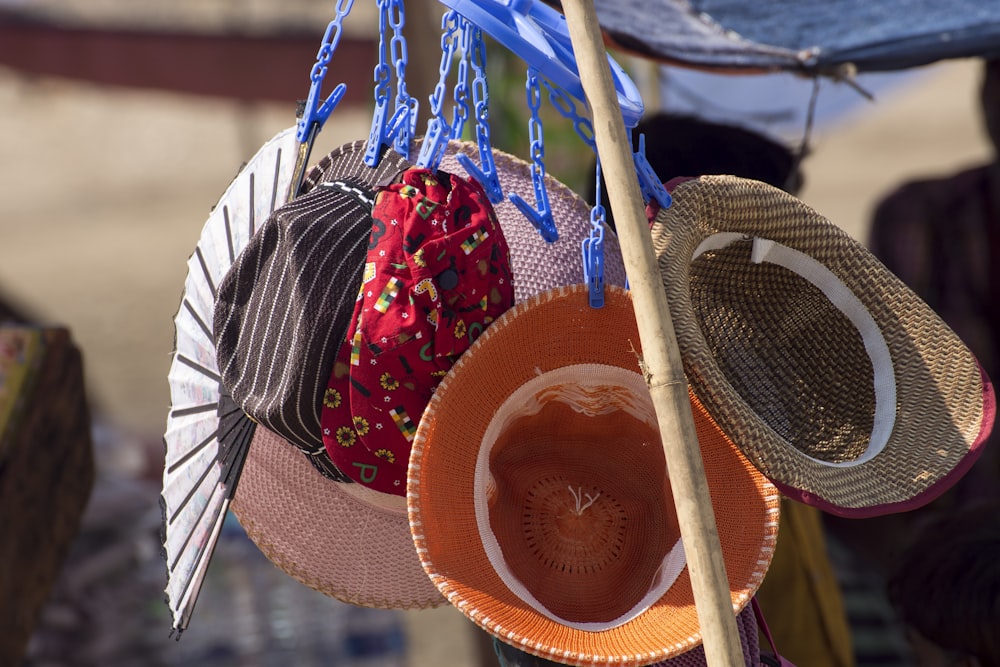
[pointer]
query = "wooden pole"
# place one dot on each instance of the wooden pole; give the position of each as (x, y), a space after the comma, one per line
(664, 371)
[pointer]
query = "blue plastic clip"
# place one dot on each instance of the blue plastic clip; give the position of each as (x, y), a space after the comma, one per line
(317, 115)
(541, 219)
(541, 215)
(593, 268)
(649, 183)
(433, 147)
(487, 177)
(384, 131)
(593, 248)
(407, 130)
(314, 114)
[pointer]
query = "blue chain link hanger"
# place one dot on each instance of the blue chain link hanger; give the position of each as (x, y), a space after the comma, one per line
(537, 33)
(461, 36)
(650, 184)
(398, 129)
(487, 173)
(532, 30)
(593, 248)
(397, 51)
(315, 113)
(439, 130)
(460, 112)
(541, 214)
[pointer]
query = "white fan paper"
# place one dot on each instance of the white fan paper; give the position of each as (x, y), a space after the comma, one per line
(197, 482)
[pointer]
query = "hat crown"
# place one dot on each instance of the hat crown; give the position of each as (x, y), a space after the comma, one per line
(835, 379)
(526, 477)
(573, 493)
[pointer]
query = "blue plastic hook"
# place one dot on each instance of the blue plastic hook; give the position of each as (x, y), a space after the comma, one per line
(384, 130)
(593, 269)
(540, 219)
(553, 24)
(541, 215)
(315, 114)
(538, 35)
(649, 183)
(488, 178)
(593, 248)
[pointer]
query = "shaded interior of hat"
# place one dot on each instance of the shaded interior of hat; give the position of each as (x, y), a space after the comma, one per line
(572, 505)
(796, 360)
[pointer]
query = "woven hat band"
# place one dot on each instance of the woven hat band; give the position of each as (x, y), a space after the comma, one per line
(572, 497)
(844, 300)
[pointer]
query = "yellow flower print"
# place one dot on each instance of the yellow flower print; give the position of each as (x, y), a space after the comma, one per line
(460, 329)
(388, 382)
(361, 425)
(385, 454)
(331, 398)
(346, 436)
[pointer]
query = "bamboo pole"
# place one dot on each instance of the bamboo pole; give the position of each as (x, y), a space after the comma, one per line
(663, 367)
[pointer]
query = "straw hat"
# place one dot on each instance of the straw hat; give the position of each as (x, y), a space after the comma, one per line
(538, 266)
(539, 499)
(353, 543)
(344, 540)
(833, 377)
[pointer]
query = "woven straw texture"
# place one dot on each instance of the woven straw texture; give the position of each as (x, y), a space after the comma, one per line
(786, 374)
(325, 535)
(746, 626)
(311, 527)
(550, 331)
(537, 265)
(290, 292)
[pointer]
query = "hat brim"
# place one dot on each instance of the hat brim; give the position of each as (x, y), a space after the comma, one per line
(343, 540)
(940, 407)
(310, 526)
(537, 265)
(552, 330)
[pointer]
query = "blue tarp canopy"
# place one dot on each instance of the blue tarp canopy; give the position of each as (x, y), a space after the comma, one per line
(807, 36)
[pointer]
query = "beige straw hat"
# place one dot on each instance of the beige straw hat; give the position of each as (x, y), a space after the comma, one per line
(539, 499)
(833, 377)
(354, 544)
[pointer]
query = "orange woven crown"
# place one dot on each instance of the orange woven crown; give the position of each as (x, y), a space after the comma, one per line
(539, 499)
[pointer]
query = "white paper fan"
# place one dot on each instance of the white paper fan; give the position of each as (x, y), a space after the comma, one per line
(207, 434)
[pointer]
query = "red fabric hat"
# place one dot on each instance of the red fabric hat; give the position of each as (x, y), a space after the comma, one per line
(437, 273)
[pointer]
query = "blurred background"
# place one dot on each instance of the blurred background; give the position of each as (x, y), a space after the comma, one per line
(123, 121)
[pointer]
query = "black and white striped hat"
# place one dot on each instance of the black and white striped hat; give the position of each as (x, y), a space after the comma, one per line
(291, 292)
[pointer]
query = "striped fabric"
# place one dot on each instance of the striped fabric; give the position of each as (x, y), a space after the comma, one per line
(291, 293)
